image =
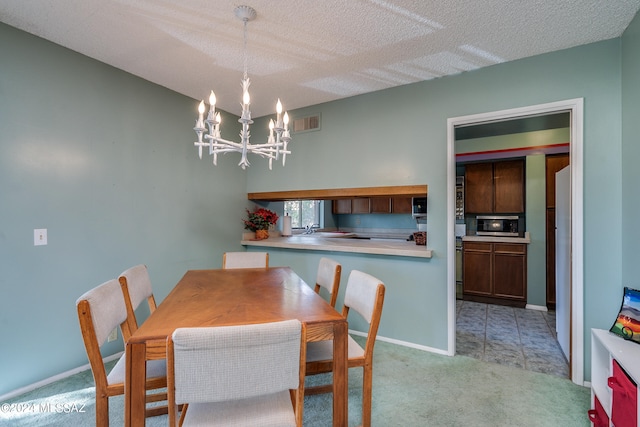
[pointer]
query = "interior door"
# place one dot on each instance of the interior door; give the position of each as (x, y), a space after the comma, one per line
(563, 260)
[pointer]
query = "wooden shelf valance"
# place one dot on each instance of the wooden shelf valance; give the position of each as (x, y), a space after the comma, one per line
(342, 193)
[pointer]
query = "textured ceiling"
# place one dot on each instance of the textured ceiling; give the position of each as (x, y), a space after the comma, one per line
(308, 52)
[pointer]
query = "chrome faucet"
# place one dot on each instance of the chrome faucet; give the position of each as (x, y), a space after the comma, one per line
(309, 229)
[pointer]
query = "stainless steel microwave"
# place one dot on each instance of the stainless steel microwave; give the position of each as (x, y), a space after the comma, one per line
(497, 226)
(419, 207)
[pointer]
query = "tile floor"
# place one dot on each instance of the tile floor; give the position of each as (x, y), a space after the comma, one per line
(510, 336)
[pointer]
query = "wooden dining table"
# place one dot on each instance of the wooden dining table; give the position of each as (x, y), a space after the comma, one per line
(235, 297)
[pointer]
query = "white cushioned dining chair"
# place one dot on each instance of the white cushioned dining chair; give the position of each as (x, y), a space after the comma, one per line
(246, 375)
(136, 287)
(245, 260)
(364, 295)
(328, 277)
(100, 311)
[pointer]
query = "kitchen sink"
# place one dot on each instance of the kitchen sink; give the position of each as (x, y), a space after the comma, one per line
(332, 234)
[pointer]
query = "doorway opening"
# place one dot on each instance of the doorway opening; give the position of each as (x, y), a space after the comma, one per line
(575, 109)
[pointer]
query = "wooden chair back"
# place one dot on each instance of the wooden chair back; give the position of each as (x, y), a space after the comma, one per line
(100, 311)
(365, 295)
(235, 363)
(328, 277)
(136, 287)
(245, 260)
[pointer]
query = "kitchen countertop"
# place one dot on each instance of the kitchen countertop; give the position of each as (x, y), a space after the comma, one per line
(393, 247)
(495, 239)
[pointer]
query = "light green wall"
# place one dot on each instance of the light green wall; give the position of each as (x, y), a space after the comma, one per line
(398, 136)
(105, 161)
(630, 155)
(536, 217)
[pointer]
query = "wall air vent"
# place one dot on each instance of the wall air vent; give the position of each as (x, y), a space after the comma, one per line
(307, 124)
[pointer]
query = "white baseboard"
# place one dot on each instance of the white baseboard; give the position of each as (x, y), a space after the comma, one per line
(536, 307)
(404, 343)
(58, 377)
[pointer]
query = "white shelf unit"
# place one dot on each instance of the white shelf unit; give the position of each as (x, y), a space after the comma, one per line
(605, 347)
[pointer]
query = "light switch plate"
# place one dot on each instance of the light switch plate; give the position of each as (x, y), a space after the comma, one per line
(39, 236)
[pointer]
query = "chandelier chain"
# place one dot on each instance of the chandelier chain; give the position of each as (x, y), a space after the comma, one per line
(244, 48)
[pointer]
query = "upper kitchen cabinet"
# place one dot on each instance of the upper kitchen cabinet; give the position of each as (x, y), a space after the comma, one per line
(342, 206)
(401, 205)
(478, 179)
(508, 178)
(380, 204)
(360, 206)
(495, 187)
(351, 206)
(363, 205)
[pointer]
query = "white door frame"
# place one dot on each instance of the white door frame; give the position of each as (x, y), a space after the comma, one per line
(576, 150)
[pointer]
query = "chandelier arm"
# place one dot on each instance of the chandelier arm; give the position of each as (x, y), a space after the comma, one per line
(267, 151)
(219, 142)
(267, 145)
(225, 150)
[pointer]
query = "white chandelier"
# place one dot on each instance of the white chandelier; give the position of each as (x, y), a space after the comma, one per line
(272, 149)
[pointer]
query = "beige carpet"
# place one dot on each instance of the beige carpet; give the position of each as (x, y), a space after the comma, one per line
(411, 388)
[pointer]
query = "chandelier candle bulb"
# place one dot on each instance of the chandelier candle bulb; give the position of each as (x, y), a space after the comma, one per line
(212, 103)
(200, 122)
(278, 112)
(271, 126)
(245, 99)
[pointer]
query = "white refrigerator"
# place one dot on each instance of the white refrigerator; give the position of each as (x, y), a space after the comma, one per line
(563, 260)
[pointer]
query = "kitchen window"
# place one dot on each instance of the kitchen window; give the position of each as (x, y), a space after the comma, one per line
(304, 213)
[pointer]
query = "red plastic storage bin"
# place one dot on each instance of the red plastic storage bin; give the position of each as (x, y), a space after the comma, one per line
(624, 398)
(597, 415)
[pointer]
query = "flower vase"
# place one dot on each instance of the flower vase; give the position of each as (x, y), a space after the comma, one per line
(262, 234)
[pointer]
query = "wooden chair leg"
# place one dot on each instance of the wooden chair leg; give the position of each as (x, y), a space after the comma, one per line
(102, 411)
(367, 383)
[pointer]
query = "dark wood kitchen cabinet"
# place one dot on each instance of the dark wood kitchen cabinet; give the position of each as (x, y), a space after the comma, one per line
(380, 204)
(351, 206)
(401, 205)
(477, 269)
(553, 164)
(397, 205)
(495, 187)
(495, 273)
(341, 206)
(365, 205)
(478, 185)
(508, 179)
(360, 206)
